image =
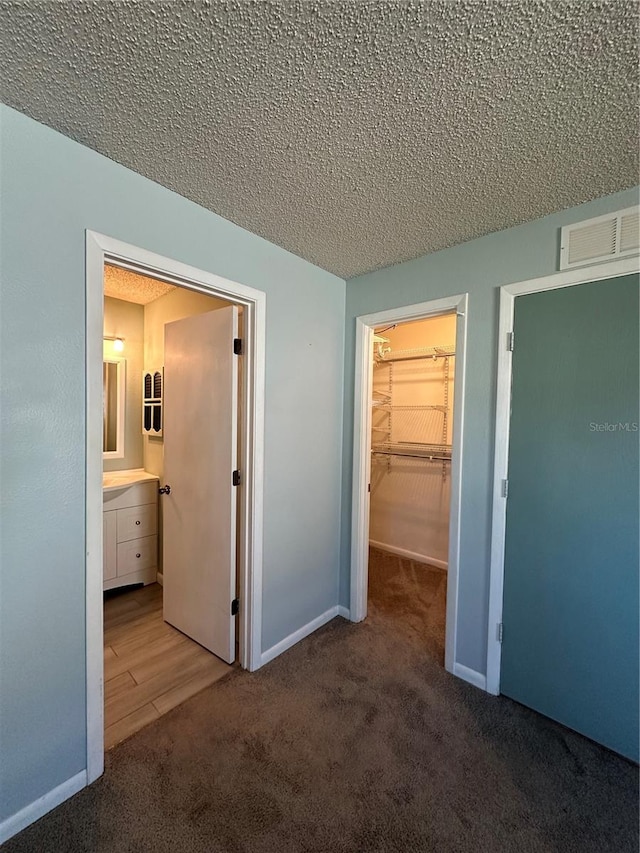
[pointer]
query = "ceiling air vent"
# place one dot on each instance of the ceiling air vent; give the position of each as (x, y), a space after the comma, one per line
(603, 238)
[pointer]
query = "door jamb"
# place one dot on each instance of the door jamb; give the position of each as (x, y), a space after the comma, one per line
(508, 294)
(362, 454)
(101, 249)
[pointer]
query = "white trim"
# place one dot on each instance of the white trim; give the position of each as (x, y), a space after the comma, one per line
(93, 512)
(298, 635)
(11, 826)
(360, 499)
(362, 454)
(508, 294)
(470, 675)
(344, 612)
(121, 389)
(408, 555)
(100, 248)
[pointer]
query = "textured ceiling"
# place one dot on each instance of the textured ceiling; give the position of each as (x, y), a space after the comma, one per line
(356, 134)
(132, 287)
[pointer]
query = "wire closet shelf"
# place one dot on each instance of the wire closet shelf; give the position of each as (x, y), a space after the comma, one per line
(383, 401)
(417, 450)
(383, 353)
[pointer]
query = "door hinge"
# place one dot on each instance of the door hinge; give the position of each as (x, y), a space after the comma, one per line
(505, 488)
(237, 346)
(499, 632)
(510, 340)
(235, 606)
(236, 478)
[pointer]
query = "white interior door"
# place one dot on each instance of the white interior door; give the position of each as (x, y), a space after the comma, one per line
(200, 453)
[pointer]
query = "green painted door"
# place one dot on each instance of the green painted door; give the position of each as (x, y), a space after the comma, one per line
(570, 617)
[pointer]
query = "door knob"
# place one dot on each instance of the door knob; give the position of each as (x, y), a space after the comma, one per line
(165, 490)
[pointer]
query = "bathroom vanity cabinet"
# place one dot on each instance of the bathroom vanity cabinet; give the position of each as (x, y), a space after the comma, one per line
(130, 528)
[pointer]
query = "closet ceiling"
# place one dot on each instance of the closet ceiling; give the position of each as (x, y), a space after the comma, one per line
(356, 134)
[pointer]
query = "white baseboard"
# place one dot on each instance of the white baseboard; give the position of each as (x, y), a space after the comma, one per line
(160, 578)
(470, 675)
(408, 555)
(344, 612)
(38, 808)
(298, 635)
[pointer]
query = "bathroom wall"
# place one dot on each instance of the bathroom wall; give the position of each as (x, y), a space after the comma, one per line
(126, 320)
(409, 508)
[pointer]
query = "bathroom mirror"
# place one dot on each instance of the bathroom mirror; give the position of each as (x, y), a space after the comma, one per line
(113, 389)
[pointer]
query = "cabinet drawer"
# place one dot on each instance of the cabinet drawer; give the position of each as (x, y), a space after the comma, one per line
(136, 495)
(137, 554)
(137, 522)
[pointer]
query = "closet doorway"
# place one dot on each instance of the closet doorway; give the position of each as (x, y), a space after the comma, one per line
(407, 455)
(411, 439)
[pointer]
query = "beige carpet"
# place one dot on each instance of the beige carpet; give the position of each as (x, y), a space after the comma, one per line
(354, 740)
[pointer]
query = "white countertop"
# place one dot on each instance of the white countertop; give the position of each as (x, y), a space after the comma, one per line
(112, 480)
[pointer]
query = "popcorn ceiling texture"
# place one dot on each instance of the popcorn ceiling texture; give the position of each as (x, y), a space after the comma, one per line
(131, 287)
(356, 134)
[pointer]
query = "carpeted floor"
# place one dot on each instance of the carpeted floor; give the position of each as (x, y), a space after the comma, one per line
(409, 597)
(354, 740)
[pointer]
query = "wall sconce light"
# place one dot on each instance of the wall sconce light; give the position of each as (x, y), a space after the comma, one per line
(118, 343)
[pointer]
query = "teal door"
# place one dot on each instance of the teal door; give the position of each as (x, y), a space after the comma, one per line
(570, 610)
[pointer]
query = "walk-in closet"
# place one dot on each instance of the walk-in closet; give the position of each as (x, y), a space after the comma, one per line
(411, 441)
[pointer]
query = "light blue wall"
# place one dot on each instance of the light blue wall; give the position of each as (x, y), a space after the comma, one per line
(52, 190)
(479, 268)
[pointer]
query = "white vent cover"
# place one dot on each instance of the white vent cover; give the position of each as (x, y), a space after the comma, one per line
(603, 238)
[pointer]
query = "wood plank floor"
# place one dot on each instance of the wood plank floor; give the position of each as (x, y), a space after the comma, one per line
(149, 667)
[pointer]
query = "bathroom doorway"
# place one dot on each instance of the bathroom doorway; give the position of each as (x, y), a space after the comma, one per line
(407, 454)
(168, 498)
(140, 304)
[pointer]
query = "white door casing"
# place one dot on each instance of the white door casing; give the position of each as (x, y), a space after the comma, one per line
(508, 295)
(200, 452)
(99, 250)
(362, 462)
